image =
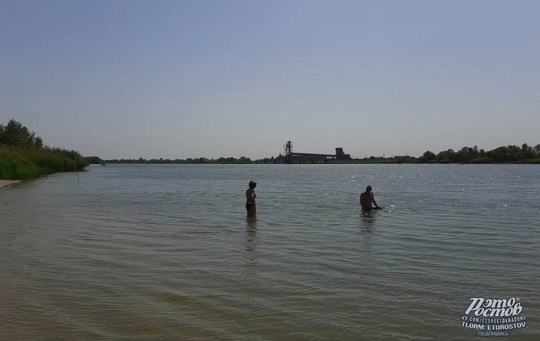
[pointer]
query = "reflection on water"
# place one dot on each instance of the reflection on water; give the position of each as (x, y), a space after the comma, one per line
(251, 234)
(251, 222)
(250, 250)
(367, 220)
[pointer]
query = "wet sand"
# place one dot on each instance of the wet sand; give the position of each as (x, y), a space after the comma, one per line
(4, 183)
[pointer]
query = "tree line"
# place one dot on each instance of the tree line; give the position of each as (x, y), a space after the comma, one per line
(241, 160)
(24, 156)
(503, 154)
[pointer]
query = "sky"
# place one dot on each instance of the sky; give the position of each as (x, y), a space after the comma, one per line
(231, 78)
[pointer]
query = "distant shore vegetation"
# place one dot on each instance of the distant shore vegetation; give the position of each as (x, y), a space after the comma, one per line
(241, 160)
(470, 155)
(24, 156)
(504, 154)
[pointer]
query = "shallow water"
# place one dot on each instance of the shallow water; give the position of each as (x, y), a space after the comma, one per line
(165, 252)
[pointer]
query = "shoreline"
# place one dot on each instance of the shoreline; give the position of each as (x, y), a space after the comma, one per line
(5, 183)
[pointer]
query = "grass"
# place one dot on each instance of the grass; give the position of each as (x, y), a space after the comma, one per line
(24, 164)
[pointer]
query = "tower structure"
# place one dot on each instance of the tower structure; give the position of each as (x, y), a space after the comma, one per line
(288, 149)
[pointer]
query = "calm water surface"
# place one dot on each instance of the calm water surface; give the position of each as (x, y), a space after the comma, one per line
(165, 252)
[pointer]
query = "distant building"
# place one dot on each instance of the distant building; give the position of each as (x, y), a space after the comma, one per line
(291, 157)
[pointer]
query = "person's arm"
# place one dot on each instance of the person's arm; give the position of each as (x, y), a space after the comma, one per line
(373, 200)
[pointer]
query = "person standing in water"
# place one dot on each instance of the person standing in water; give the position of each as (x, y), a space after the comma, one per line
(366, 199)
(250, 199)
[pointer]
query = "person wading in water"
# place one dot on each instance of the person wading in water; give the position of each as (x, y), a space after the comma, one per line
(250, 199)
(366, 199)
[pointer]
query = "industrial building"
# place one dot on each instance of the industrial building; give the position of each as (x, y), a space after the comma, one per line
(295, 157)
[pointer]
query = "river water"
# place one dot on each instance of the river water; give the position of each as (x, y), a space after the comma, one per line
(165, 252)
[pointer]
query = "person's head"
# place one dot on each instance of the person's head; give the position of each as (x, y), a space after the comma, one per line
(252, 184)
(368, 189)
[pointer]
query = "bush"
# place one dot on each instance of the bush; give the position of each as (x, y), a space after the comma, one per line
(21, 164)
(532, 161)
(482, 160)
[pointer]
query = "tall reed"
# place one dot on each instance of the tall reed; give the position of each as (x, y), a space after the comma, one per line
(21, 164)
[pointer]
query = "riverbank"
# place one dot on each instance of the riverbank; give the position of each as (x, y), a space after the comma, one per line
(4, 183)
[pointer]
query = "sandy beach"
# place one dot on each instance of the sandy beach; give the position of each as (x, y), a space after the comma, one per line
(4, 183)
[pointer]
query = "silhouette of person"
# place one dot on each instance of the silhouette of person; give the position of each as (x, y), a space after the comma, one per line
(367, 199)
(250, 199)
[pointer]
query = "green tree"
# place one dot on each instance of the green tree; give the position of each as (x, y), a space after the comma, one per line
(505, 154)
(466, 154)
(527, 152)
(94, 159)
(428, 156)
(447, 156)
(17, 135)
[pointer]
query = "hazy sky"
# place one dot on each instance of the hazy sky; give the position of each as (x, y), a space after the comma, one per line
(180, 79)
